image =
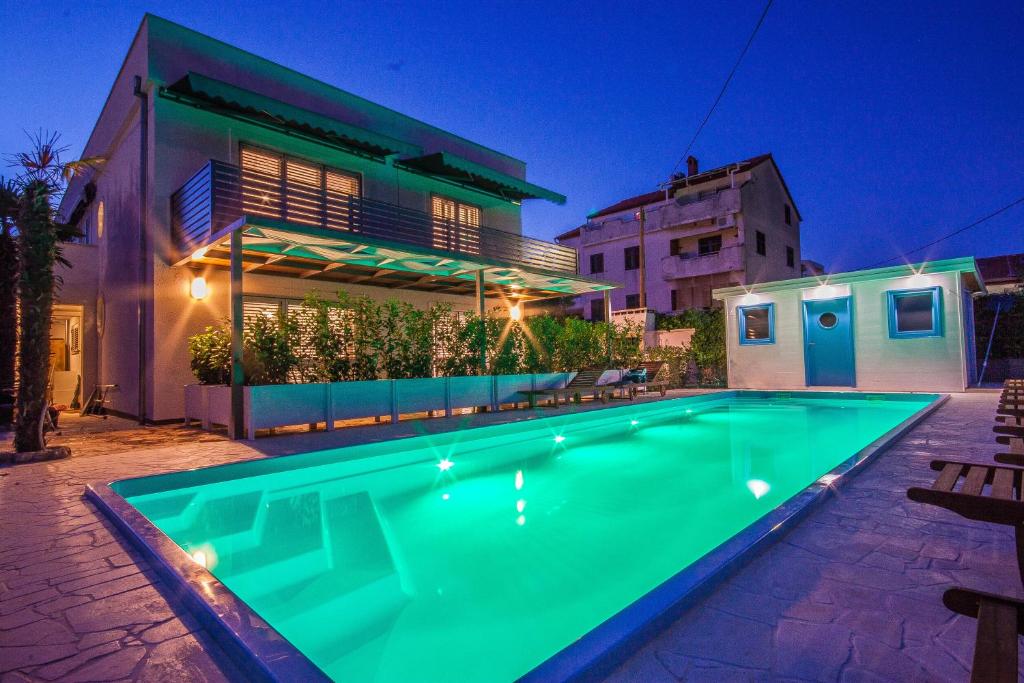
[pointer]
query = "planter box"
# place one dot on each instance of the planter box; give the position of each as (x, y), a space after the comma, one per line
(280, 405)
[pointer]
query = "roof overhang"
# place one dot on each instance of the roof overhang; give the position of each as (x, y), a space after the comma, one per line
(274, 247)
(967, 267)
(203, 91)
(454, 168)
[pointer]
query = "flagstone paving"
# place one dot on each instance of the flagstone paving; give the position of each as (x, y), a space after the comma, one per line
(853, 593)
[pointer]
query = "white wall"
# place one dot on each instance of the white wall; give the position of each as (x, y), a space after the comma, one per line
(882, 364)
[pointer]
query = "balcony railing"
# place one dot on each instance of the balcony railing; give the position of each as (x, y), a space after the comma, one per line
(690, 264)
(219, 194)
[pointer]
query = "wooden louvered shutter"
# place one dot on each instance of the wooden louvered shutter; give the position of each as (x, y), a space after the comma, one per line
(342, 189)
(443, 210)
(261, 182)
(303, 193)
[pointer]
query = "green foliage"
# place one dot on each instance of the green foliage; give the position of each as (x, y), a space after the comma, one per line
(269, 348)
(356, 338)
(678, 359)
(581, 345)
(9, 198)
(210, 355)
(39, 239)
(366, 347)
(707, 347)
(540, 352)
(329, 334)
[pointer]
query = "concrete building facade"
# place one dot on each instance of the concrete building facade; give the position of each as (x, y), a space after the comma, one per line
(199, 141)
(732, 225)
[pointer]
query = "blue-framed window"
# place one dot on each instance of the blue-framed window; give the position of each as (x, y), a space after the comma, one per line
(915, 313)
(756, 324)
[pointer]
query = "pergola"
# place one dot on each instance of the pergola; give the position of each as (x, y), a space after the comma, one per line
(271, 246)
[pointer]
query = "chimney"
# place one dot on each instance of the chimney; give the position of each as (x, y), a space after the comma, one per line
(691, 165)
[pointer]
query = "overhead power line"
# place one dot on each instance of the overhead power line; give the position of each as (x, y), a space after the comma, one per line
(1019, 200)
(725, 85)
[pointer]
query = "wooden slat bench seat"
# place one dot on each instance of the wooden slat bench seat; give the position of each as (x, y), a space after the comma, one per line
(986, 493)
(585, 382)
(1000, 624)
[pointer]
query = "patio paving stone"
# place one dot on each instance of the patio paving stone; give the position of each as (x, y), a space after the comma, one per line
(853, 593)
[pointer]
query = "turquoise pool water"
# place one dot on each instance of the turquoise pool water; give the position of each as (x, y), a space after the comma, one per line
(476, 555)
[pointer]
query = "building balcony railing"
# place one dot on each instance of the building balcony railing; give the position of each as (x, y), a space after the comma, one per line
(693, 264)
(219, 194)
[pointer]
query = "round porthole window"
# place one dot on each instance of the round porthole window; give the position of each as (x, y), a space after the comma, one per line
(828, 320)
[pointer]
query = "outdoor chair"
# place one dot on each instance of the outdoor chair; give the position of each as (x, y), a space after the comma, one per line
(585, 382)
(657, 377)
(1002, 504)
(1000, 623)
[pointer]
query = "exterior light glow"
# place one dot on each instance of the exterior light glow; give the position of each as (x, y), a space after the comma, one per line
(758, 487)
(515, 312)
(198, 290)
(445, 465)
(559, 439)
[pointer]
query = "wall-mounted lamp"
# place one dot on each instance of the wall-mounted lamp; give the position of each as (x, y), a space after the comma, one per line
(515, 312)
(199, 253)
(199, 289)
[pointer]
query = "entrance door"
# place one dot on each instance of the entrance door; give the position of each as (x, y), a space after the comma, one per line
(828, 343)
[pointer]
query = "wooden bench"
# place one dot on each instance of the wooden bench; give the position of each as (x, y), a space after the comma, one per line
(585, 382)
(1002, 504)
(1000, 623)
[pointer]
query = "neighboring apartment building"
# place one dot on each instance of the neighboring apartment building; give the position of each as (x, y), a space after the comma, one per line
(219, 162)
(733, 225)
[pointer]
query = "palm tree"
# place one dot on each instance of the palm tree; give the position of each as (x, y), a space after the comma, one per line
(40, 235)
(8, 295)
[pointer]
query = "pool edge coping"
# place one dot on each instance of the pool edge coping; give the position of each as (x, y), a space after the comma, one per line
(252, 645)
(262, 653)
(597, 653)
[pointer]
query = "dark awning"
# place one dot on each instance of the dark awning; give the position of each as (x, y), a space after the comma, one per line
(449, 166)
(267, 109)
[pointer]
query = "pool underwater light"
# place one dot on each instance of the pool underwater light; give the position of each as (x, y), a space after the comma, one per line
(445, 465)
(559, 439)
(758, 487)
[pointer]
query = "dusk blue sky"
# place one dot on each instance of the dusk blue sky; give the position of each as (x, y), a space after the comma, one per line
(892, 122)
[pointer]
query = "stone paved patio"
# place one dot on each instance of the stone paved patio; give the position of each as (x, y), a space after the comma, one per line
(851, 594)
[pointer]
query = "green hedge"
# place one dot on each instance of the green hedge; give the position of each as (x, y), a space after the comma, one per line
(358, 338)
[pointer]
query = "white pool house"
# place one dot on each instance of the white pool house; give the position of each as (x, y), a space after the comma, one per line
(900, 328)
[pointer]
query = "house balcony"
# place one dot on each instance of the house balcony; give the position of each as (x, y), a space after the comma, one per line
(220, 197)
(693, 264)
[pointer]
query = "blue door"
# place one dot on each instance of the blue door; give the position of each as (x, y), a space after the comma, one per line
(828, 343)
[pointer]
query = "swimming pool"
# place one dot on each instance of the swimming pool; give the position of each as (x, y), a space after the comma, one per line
(491, 553)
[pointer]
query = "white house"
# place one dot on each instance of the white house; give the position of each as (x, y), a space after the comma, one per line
(902, 328)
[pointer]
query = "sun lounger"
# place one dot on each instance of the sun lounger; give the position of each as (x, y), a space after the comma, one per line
(585, 382)
(1002, 504)
(657, 374)
(1000, 623)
